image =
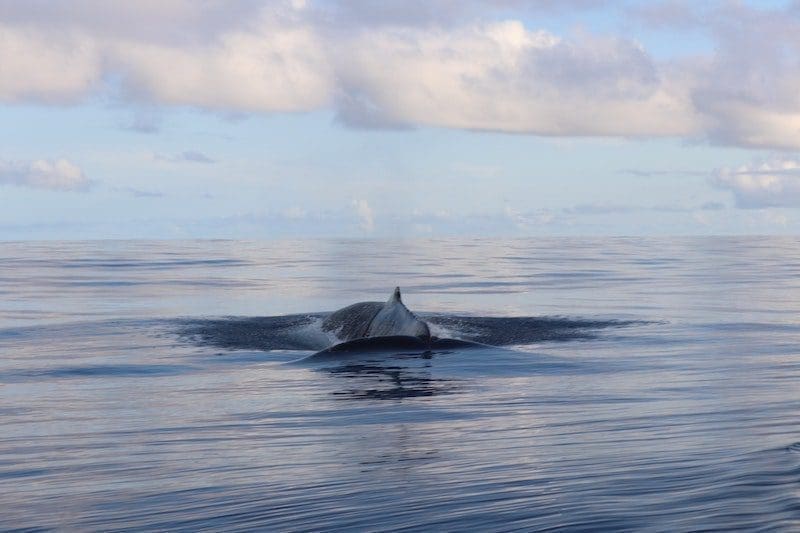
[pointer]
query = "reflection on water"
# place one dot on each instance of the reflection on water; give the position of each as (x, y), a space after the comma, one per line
(372, 381)
(634, 384)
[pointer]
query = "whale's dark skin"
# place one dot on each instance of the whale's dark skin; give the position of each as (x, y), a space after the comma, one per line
(371, 345)
(376, 319)
(352, 322)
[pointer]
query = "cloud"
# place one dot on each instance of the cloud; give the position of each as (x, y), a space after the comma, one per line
(280, 67)
(524, 221)
(50, 68)
(365, 215)
(188, 156)
(504, 77)
(749, 91)
(253, 56)
(140, 193)
(396, 12)
(143, 121)
(647, 173)
(669, 14)
(600, 209)
(55, 175)
(196, 157)
(357, 14)
(616, 209)
(773, 183)
(441, 63)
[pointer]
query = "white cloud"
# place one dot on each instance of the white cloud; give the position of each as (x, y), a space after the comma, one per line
(53, 68)
(365, 214)
(188, 156)
(277, 66)
(176, 22)
(503, 77)
(524, 221)
(388, 65)
(774, 218)
(57, 175)
(768, 184)
(271, 61)
(747, 93)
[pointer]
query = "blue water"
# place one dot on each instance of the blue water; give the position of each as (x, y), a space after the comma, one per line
(631, 384)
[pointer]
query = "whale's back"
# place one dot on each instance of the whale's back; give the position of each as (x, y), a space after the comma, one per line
(394, 318)
(376, 319)
(352, 322)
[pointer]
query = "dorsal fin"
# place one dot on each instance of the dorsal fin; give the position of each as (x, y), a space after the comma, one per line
(396, 295)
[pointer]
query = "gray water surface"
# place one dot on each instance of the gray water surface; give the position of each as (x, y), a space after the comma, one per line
(631, 384)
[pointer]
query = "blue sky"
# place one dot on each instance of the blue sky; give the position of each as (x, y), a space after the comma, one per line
(252, 119)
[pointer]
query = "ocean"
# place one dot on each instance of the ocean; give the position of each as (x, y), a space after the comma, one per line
(647, 384)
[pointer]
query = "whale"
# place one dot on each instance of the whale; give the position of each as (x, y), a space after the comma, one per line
(365, 320)
(368, 329)
(393, 344)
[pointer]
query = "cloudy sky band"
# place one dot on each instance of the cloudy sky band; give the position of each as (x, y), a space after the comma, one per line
(717, 81)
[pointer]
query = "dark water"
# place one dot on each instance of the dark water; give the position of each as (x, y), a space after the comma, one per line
(634, 384)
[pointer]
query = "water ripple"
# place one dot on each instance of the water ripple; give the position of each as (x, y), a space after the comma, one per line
(633, 384)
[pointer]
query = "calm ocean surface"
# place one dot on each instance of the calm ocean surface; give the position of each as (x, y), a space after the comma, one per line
(636, 384)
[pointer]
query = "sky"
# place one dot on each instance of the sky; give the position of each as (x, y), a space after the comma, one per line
(398, 118)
